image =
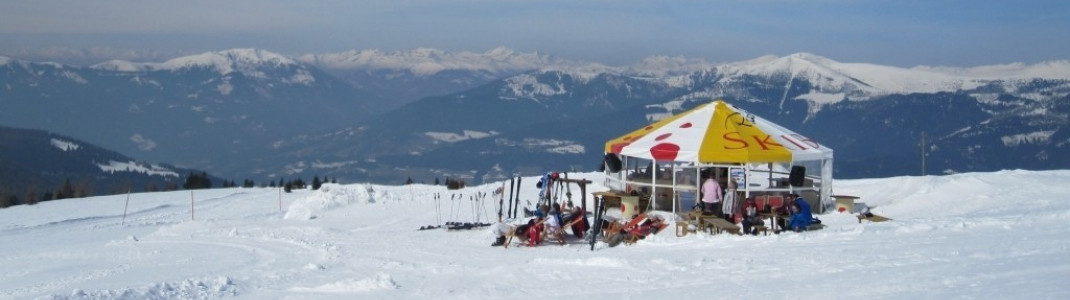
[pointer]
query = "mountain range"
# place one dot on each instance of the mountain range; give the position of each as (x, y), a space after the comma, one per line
(425, 114)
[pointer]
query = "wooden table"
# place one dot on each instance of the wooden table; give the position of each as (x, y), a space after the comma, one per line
(716, 224)
(772, 219)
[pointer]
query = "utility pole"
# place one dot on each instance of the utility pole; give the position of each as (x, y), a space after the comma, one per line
(923, 153)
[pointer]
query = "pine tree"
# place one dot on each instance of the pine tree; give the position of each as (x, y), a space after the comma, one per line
(65, 191)
(316, 182)
(207, 183)
(170, 185)
(32, 195)
(83, 190)
(5, 201)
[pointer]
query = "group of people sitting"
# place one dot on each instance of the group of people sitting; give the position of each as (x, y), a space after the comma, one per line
(549, 222)
(796, 215)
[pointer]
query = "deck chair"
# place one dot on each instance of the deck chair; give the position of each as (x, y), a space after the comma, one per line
(776, 201)
(634, 230)
(760, 201)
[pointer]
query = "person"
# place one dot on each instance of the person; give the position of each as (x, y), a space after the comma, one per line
(711, 196)
(751, 219)
(505, 233)
(728, 206)
(552, 224)
(802, 216)
(576, 220)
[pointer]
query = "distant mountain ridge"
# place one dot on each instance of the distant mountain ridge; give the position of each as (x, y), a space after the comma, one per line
(35, 163)
(383, 116)
(243, 98)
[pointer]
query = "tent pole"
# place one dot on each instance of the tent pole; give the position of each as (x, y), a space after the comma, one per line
(746, 179)
(674, 190)
(653, 185)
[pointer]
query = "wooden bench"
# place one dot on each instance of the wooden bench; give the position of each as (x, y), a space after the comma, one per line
(717, 225)
(761, 228)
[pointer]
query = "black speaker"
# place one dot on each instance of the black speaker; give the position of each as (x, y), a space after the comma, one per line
(612, 163)
(797, 176)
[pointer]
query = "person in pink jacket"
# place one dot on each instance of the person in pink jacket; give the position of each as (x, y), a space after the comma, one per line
(711, 196)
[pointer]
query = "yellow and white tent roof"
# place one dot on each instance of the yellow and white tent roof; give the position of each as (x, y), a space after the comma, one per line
(717, 133)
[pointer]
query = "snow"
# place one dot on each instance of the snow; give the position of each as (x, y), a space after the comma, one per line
(225, 62)
(65, 145)
(120, 66)
(225, 88)
(131, 166)
(862, 80)
(73, 76)
(249, 62)
(451, 137)
(973, 235)
(528, 86)
(427, 61)
(1027, 138)
(568, 149)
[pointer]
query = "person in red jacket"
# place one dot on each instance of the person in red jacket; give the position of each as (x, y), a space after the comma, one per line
(751, 217)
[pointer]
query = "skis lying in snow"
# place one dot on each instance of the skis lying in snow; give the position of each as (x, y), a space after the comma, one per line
(429, 227)
(464, 226)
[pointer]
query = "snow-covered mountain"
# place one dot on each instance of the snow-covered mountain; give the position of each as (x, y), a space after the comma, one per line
(464, 113)
(426, 61)
(873, 115)
(244, 98)
(831, 81)
(395, 78)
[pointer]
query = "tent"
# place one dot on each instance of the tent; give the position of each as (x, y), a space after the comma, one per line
(758, 154)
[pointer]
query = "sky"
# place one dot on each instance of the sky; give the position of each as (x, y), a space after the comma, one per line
(897, 33)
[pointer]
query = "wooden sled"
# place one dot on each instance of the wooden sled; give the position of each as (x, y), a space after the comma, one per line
(872, 218)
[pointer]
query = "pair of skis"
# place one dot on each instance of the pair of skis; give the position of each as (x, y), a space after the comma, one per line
(514, 202)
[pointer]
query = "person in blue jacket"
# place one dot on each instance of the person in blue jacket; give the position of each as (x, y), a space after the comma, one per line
(801, 216)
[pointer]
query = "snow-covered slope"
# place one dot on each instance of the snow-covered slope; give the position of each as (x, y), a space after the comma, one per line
(999, 235)
(860, 81)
